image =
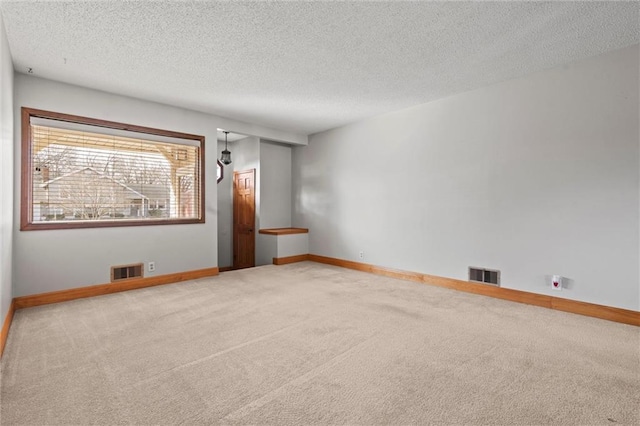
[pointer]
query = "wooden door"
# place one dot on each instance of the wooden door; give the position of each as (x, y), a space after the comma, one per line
(244, 219)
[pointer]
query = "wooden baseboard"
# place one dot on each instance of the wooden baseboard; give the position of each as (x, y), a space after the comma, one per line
(609, 313)
(290, 259)
(6, 326)
(101, 289)
(489, 290)
(226, 268)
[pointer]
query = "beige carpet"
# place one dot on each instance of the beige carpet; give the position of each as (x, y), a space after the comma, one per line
(314, 344)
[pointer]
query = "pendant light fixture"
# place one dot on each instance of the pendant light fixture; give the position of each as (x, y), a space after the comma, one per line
(226, 154)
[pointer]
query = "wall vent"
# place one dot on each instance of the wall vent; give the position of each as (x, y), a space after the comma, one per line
(125, 272)
(486, 276)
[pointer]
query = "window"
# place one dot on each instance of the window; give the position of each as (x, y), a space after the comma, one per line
(82, 173)
(219, 170)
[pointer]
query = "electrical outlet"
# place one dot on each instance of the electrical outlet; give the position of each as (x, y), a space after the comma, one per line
(556, 282)
(152, 266)
(361, 255)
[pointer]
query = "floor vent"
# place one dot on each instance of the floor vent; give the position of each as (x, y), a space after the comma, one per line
(125, 272)
(486, 276)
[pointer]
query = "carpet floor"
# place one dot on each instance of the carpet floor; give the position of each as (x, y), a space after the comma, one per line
(309, 344)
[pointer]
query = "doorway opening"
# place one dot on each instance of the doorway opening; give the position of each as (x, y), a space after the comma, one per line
(244, 219)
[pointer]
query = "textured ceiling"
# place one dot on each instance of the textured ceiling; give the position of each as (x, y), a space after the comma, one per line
(305, 67)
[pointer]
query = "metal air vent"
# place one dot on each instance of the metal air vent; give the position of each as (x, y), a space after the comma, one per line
(126, 272)
(483, 275)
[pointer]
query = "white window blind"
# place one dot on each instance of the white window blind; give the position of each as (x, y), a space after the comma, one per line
(84, 174)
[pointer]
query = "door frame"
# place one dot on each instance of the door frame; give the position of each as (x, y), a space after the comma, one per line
(235, 222)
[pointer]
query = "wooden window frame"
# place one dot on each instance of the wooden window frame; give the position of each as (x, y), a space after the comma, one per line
(26, 196)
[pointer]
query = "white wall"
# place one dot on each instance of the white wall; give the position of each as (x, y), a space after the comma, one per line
(225, 212)
(275, 187)
(279, 135)
(59, 259)
(272, 162)
(535, 176)
(266, 249)
(6, 173)
(270, 246)
(275, 197)
(245, 154)
(292, 245)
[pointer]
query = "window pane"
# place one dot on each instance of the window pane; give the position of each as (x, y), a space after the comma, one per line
(87, 177)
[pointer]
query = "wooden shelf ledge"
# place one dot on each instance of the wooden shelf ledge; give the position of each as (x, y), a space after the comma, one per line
(284, 231)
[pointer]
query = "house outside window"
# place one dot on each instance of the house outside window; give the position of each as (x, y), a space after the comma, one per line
(93, 173)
